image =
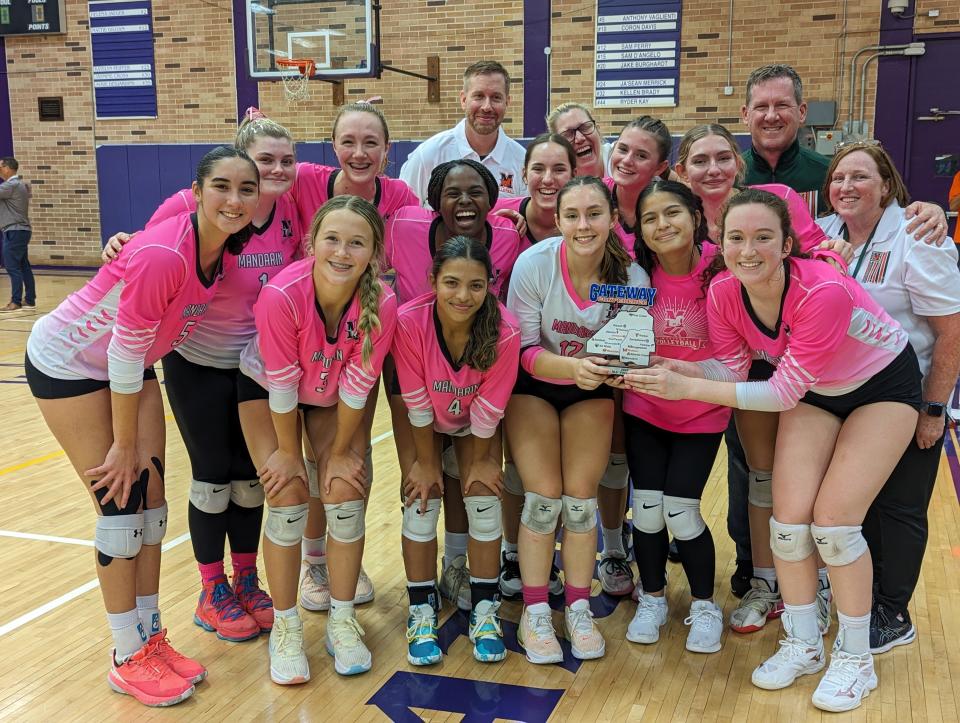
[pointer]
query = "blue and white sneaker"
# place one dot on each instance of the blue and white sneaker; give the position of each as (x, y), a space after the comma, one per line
(345, 643)
(422, 645)
(486, 633)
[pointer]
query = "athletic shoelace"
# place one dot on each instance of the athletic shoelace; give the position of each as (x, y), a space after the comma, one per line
(225, 602)
(422, 625)
(617, 567)
(541, 625)
(287, 637)
(580, 622)
(699, 619)
(486, 622)
(346, 632)
(249, 591)
(844, 671)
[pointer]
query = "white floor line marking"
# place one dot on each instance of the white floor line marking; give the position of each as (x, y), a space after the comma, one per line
(93, 584)
(45, 538)
(72, 595)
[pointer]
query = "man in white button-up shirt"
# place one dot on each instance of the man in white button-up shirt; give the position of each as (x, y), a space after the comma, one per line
(484, 99)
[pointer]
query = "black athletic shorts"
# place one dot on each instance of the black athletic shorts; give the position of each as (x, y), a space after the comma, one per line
(760, 370)
(899, 381)
(43, 386)
(248, 390)
(560, 396)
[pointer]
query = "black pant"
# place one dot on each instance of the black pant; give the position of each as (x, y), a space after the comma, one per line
(15, 261)
(738, 482)
(896, 525)
(678, 465)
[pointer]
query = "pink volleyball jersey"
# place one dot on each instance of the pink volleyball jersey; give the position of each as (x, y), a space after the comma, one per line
(831, 336)
(134, 311)
(228, 324)
(409, 248)
(313, 187)
(519, 204)
(680, 328)
(809, 234)
(551, 315)
(293, 358)
(455, 398)
(628, 237)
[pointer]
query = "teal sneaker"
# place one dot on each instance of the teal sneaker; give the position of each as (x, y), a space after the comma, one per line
(422, 645)
(486, 633)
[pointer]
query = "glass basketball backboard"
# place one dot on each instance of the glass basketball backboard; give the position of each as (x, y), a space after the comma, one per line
(338, 35)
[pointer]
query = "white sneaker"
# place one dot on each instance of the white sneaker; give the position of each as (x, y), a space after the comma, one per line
(848, 680)
(345, 644)
(706, 627)
(364, 592)
(455, 583)
(586, 642)
(288, 662)
(824, 604)
(537, 636)
(761, 603)
(615, 574)
(315, 586)
(650, 616)
(795, 657)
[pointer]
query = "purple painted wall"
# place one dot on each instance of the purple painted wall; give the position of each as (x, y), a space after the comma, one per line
(536, 68)
(6, 125)
(892, 119)
(247, 92)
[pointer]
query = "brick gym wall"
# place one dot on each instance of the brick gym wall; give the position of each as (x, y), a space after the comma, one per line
(196, 100)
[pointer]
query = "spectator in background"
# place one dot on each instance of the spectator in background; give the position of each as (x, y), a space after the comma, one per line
(955, 205)
(484, 99)
(15, 230)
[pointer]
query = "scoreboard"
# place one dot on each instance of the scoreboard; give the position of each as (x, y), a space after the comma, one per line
(32, 17)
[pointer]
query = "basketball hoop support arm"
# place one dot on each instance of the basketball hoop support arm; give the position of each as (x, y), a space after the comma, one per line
(433, 63)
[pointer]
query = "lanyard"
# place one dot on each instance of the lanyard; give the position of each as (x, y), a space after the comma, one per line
(866, 247)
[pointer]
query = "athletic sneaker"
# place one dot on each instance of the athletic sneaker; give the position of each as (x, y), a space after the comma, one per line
(651, 615)
(252, 598)
(315, 586)
(848, 680)
(740, 579)
(345, 643)
(187, 668)
(364, 592)
(637, 590)
(486, 633)
(824, 605)
(761, 603)
(510, 584)
(537, 636)
(422, 645)
(586, 642)
(626, 537)
(616, 576)
(147, 678)
(889, 629)
(706, 627)
(795, 657)
(219, 610)
(288, 661)
(455, 583)
(555, 585)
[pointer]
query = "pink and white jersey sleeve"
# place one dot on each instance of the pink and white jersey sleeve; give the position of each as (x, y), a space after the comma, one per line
(512, 203)
(809, 234)
(183, 201)
(132, 313)
(455, 398)
(294, 359)
(680, 328)
(831, 337)
(409, 249)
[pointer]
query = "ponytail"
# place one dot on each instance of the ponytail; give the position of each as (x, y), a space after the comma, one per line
(370, 292)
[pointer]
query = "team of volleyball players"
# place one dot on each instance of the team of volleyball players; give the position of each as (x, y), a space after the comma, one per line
(278, 294)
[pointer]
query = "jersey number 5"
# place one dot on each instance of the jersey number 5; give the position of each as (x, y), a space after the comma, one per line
(184, 333)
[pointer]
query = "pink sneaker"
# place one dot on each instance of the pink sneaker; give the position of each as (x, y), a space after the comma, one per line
(185, 667)
(148, 678)
(253, 599)
(218, 610)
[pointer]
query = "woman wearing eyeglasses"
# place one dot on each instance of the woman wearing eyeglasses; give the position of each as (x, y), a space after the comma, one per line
(574, 122)
(918, 284)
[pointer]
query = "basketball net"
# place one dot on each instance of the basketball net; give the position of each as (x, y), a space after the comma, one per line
(295, 75)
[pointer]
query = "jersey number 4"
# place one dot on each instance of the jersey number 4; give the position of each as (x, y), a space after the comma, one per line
(455, 408)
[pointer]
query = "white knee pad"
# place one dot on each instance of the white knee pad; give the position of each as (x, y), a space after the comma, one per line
(648, 511)
(483, 516)
(345, 521)
(792, 543)
(313, 484)
(285, 525)
(616, 474)
(579, 515)
(540, 514)
(119, 535)
(511, 479)
(760, 489)
(209, 497)
(451, 467)
(154, 525)
(840, 545)
(246, 493)
(421, 526)
(682, 517)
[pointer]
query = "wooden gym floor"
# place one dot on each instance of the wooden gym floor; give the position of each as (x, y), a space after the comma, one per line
(55, 642)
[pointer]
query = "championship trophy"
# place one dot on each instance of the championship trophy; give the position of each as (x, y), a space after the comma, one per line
(626, 339)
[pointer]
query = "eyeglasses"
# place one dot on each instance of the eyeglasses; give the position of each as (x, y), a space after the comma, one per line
(585, 129)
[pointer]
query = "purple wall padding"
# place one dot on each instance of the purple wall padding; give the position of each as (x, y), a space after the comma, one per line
(536, 37)
(248, 93)
(6, 125)
(893, 108)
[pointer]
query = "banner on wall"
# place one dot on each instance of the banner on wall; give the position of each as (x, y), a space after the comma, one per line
(124, 72)
(637, 53)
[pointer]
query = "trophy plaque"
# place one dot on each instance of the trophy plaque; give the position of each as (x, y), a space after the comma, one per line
(626, 339)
